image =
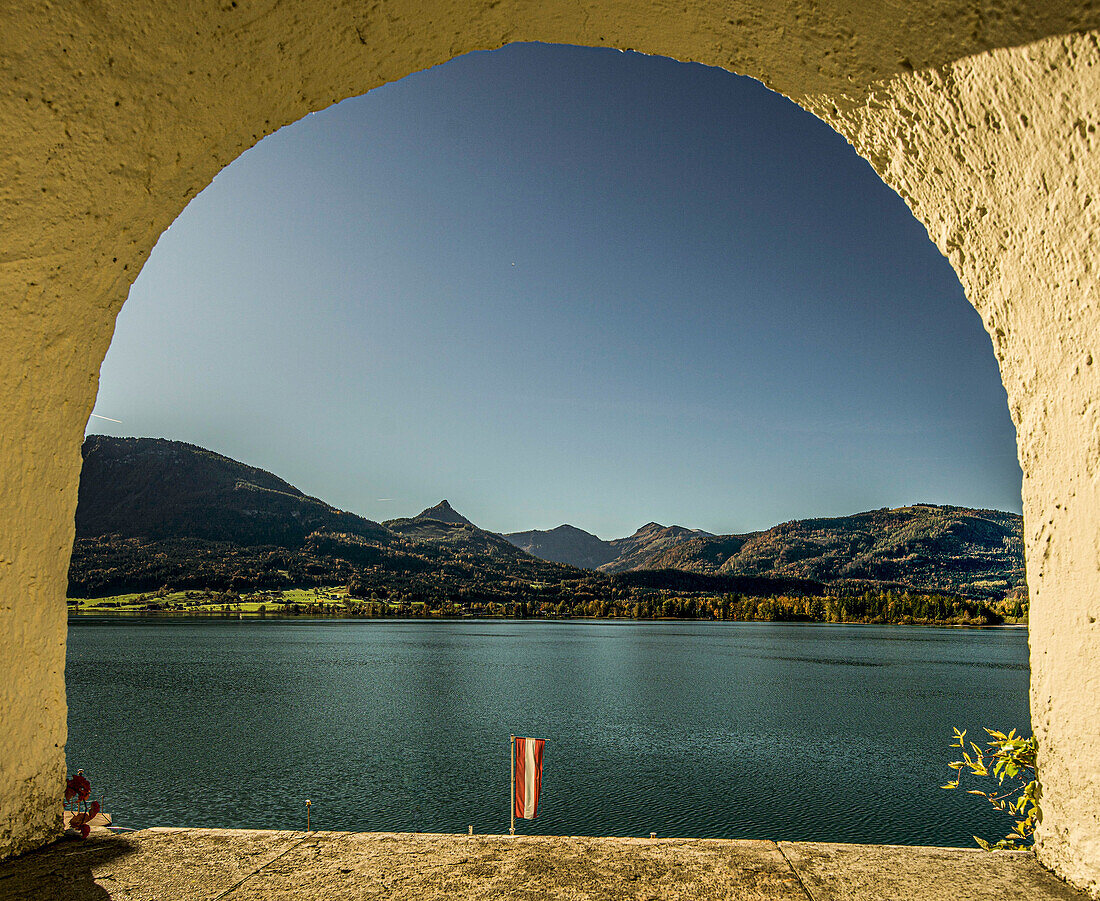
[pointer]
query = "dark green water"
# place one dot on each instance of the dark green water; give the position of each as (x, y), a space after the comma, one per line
(796, 732)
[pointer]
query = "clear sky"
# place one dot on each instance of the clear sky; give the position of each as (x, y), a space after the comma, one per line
(555, 284)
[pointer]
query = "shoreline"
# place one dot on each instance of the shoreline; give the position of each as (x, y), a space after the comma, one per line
(471, 618)
(907, 608)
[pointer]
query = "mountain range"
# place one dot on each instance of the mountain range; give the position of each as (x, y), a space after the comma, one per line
(153, 512)
(958, 549)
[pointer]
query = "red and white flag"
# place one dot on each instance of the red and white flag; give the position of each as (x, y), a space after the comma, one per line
(528, 764)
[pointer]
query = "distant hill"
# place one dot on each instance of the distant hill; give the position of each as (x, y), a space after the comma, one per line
(575, 547)
(956, 549)
(152, 488)
(565, 544)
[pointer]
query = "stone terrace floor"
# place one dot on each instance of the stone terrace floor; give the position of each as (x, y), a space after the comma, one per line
(237, 864)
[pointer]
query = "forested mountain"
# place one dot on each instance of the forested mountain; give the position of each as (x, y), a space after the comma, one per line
(956, 549)
(648, 543)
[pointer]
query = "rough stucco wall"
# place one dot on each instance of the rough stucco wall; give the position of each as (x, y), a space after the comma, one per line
(997, 156)
(115, 115)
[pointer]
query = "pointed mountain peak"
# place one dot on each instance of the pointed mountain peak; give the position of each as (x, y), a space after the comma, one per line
(566, 529)
(444, 512)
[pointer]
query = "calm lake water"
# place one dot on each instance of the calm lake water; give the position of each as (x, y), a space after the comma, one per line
(798, 732)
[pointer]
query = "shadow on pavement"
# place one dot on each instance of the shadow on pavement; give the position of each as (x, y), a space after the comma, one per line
(63, 870)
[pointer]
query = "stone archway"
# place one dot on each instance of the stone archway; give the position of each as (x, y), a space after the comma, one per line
(982, 117)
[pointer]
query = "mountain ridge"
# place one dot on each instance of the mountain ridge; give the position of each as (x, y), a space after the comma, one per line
(152, 512)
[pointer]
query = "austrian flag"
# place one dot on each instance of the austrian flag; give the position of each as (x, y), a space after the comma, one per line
(527, 761)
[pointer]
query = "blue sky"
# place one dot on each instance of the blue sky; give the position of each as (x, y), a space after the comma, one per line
(556, 284)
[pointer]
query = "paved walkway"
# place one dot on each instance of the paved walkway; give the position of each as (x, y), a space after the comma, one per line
(238, 864)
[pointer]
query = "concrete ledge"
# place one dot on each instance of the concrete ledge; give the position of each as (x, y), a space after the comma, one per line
(831, 872)
(237, 864)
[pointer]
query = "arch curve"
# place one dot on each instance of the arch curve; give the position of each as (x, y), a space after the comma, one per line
(983, 118)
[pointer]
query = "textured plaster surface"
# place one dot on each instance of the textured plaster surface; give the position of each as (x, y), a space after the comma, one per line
(982, 114)
(242, 865)
(997, 155)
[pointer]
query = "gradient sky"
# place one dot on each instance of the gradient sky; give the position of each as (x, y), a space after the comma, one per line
(556, 284)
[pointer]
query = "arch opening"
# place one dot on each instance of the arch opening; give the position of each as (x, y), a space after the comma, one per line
(249, 344)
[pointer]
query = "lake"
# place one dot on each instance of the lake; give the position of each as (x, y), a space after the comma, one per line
(722, 730)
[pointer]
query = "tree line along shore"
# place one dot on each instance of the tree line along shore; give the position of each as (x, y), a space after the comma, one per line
(892, 607)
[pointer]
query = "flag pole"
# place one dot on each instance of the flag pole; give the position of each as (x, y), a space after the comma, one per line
(512, 798)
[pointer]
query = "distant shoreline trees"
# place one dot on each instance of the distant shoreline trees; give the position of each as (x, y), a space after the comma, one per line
(561, 601)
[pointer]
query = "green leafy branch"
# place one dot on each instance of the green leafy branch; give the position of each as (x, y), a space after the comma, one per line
(1010, 759)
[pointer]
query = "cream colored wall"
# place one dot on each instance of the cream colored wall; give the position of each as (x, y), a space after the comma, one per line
(114, 115)
(997, 156)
